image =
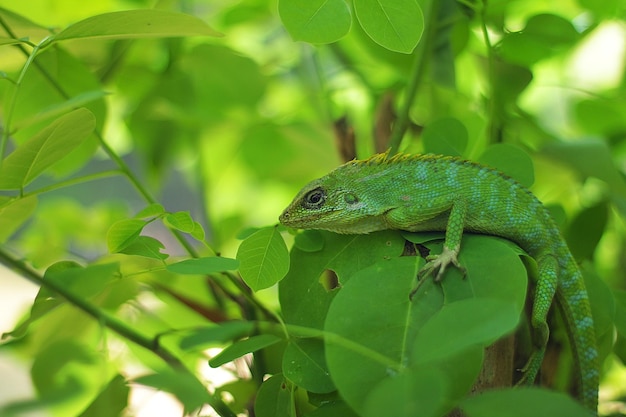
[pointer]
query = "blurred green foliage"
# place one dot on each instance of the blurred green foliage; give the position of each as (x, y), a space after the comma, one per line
(146, 146)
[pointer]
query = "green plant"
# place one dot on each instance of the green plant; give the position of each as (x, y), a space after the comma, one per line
(137, 145)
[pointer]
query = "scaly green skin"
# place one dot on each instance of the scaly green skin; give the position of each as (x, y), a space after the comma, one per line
(437, 193)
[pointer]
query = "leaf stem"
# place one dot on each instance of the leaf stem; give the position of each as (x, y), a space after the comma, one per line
(73, 181)
(493, 131)
(111, 322)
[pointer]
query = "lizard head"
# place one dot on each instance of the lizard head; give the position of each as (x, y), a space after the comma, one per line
(335, 202)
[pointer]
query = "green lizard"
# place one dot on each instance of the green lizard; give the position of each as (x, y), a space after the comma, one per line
(437, 193)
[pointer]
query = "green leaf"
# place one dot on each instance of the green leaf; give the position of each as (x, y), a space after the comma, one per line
(522, 402)
(303, 299)
(145, 246)
(243, 347)
(592, 159)
(13, 213)
(197, 232)
(543, 36)
(315, 21)
(510, 160)
(467, 322)
(309, 241)
(64, 370)
(203, 266)
(394, 24)
(129, 24)
(447, 136)
(180, 220)
(586, 230)
(62, 107)
(122, 233)
(375, 334)
(275, 398)
(264, 259)
(39, 95)
(111, 402)
(409, 394)
(332, 409)
(605, 116)
(183, 385)
(304, 364)
(375, 322)
(46, 148)
(153, 210)
(216, 335)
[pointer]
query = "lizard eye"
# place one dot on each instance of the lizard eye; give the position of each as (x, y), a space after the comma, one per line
(314, 199)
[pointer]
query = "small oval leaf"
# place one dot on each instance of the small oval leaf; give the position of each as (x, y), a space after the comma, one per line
(201, 266)
(145, 23)
(145, 246)
(181, 220)
(394, 24)
(152, 210)
(315, 21)
(122, 233)
(243, 347)
(264, 258)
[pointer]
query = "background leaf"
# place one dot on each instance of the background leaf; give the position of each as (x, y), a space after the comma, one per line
(208, 265)
(46, 148)
(123, 233)
(136, 24)
(318, 21)
(522, 402)
(394, 24)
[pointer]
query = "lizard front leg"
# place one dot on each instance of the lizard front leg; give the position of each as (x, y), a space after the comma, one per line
(437, 264)
(413, 218)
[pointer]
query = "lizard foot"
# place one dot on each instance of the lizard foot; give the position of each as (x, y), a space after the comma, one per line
(437, 265)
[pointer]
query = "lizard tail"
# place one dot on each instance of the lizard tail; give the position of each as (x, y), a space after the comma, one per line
(573, 302)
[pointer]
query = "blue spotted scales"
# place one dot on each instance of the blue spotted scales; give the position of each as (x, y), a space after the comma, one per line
(439, 193)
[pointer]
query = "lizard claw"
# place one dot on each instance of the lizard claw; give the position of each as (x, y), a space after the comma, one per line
(437, 265)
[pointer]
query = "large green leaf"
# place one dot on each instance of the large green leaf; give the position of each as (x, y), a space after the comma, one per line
(522, 402)
(307, 290)
(145, 23)
(46, 148)
(395, 24)
(392, 344)
(304, 364)
(275, 398)
(315, 21)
